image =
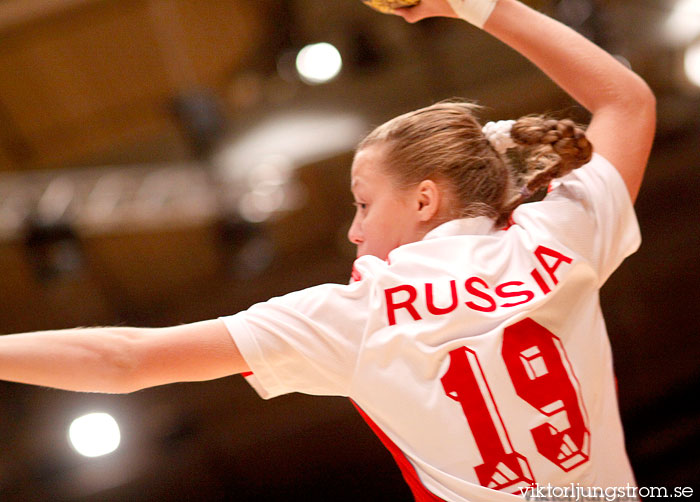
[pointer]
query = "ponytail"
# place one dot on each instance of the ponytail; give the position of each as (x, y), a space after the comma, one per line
(482, 173)
(548, 149)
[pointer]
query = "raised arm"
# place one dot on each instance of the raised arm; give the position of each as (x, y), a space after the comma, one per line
(622, 105)
(120, 360)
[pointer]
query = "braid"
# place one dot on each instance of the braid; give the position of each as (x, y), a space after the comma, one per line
(550, 149)
(446, 143)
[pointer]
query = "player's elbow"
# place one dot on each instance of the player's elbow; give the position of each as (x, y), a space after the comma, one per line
(637, 100)
(632, 109)
(629, 98)
(642, 116)
(120, 362)
(644, 101)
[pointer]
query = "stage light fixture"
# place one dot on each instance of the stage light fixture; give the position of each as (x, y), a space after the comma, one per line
(94, 434)
(691, 62)
(683, 24)
(318, 63)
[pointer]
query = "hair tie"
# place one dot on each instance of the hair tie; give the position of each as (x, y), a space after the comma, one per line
(498, 134)
(525, 192)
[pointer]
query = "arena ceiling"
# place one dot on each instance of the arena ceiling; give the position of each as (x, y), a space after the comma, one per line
(134, 135)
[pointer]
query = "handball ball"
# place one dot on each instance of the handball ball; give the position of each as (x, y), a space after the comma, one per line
(388, 5)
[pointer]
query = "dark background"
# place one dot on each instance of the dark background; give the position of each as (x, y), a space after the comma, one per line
(150, 92)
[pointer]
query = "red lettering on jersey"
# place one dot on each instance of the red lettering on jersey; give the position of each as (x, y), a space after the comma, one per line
(392, 307)
(431, 303)
(540, 281)
(503, 468)
(469, 285)
(356, 276)
(541, 252)
(526, 293)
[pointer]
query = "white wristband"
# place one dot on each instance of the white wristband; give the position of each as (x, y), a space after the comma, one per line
(475, 12)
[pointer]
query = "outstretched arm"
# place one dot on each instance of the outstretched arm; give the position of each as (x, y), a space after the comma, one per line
(622, 105)
(120, 360)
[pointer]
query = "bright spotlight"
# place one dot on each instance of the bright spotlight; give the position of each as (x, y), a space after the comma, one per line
(94, 434)
(683, 24)
(318, 63)
(692, 63)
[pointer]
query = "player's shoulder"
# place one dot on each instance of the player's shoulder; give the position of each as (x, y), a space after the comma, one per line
(366, 268)
(597, 181)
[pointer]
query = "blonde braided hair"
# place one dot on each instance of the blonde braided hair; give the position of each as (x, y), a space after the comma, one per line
(444, 142)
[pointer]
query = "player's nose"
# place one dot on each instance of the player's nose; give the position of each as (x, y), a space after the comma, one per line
(354, 234)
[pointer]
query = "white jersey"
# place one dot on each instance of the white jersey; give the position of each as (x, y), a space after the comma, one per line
(480, 353)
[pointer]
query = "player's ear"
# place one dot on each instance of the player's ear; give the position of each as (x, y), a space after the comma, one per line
(428, 200)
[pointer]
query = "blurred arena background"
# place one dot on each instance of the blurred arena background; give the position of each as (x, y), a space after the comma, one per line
(162, 162)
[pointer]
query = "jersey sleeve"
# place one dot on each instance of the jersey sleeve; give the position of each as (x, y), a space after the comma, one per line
(591, 212)
(306, 341)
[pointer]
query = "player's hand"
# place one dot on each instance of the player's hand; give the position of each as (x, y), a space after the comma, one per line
(426, 8)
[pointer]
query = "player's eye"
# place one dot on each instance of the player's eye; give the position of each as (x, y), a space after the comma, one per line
(360, 205)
